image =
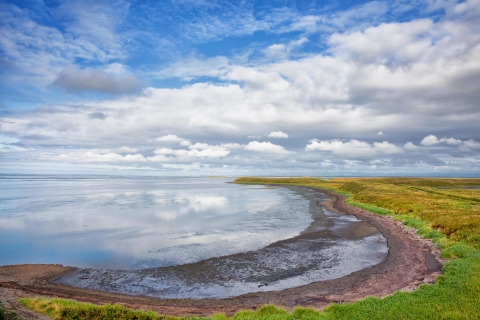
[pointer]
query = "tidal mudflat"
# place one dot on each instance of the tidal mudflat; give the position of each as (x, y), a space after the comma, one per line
(190, 238)
(332, 246)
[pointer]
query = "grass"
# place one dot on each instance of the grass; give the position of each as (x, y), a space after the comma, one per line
(63, 309)
(440, 209)
(7, 315)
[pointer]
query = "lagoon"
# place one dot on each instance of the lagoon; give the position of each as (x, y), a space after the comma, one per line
(139, 222)
(180, 237)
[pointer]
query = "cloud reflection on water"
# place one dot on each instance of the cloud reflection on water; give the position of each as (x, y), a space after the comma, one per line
(141, 222)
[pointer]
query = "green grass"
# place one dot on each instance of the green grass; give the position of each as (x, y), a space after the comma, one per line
(7, 315)
(450, 217)
(63, 309)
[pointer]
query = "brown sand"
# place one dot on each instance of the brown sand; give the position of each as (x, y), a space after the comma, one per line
(411, 261)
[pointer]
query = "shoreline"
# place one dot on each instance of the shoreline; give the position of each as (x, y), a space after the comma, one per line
(330, 247)
(411, 261)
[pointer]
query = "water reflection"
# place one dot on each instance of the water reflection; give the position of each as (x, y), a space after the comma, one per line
(140, 222)
(331, 247)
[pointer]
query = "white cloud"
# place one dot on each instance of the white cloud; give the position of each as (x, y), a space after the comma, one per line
(212, 153)
(354, 148)
(278, 135)
(432, 140)
(39, 52)
(429, 140)
(185, 143)
(200, 146)
(316, 91)
(266, 147)
(96, 157)
(198, 150)
(282, 51)
(411, 40)
(470, 145)
(463, 145)
(201, 121)
(451, 141)
(231, 145)
(410, 146)
(387, 148)
(170, 138)
(380, 133)
(276, 51)
(351, 148)
(128, 149)
(423, 78)
(164, 151)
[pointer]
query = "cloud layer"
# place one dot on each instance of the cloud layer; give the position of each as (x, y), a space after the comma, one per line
(368, 89)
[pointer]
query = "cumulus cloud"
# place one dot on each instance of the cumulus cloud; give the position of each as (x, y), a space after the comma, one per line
(231, 145)
(213, 152)
(278, 135)
(431, 140)
(170, 138)
(354, 148)
(266, 147)
(185, 143)
(161, 154)
(201, 151)
(367, 46)
(201, 146)
(470, 145)
(387, 148)
(75, 79)
(463, 145)
(410, 146)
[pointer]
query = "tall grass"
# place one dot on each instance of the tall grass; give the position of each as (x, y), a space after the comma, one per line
(450, 217)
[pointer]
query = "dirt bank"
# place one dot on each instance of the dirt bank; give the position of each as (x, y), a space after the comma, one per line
(411, 261)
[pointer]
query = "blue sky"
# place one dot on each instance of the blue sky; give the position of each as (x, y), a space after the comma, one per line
(240, 87)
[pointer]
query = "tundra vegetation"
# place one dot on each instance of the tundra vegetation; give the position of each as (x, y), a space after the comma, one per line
(447, 211)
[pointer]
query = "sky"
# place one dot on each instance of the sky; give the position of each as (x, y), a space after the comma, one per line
(197, 87)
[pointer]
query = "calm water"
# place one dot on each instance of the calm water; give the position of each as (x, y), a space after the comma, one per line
(180, 237)
(138, 222)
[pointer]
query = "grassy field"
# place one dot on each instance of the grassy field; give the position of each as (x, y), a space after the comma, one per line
(440, 209)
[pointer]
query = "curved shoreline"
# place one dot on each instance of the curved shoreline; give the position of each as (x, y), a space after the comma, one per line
(411, 261)
(330, 247)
